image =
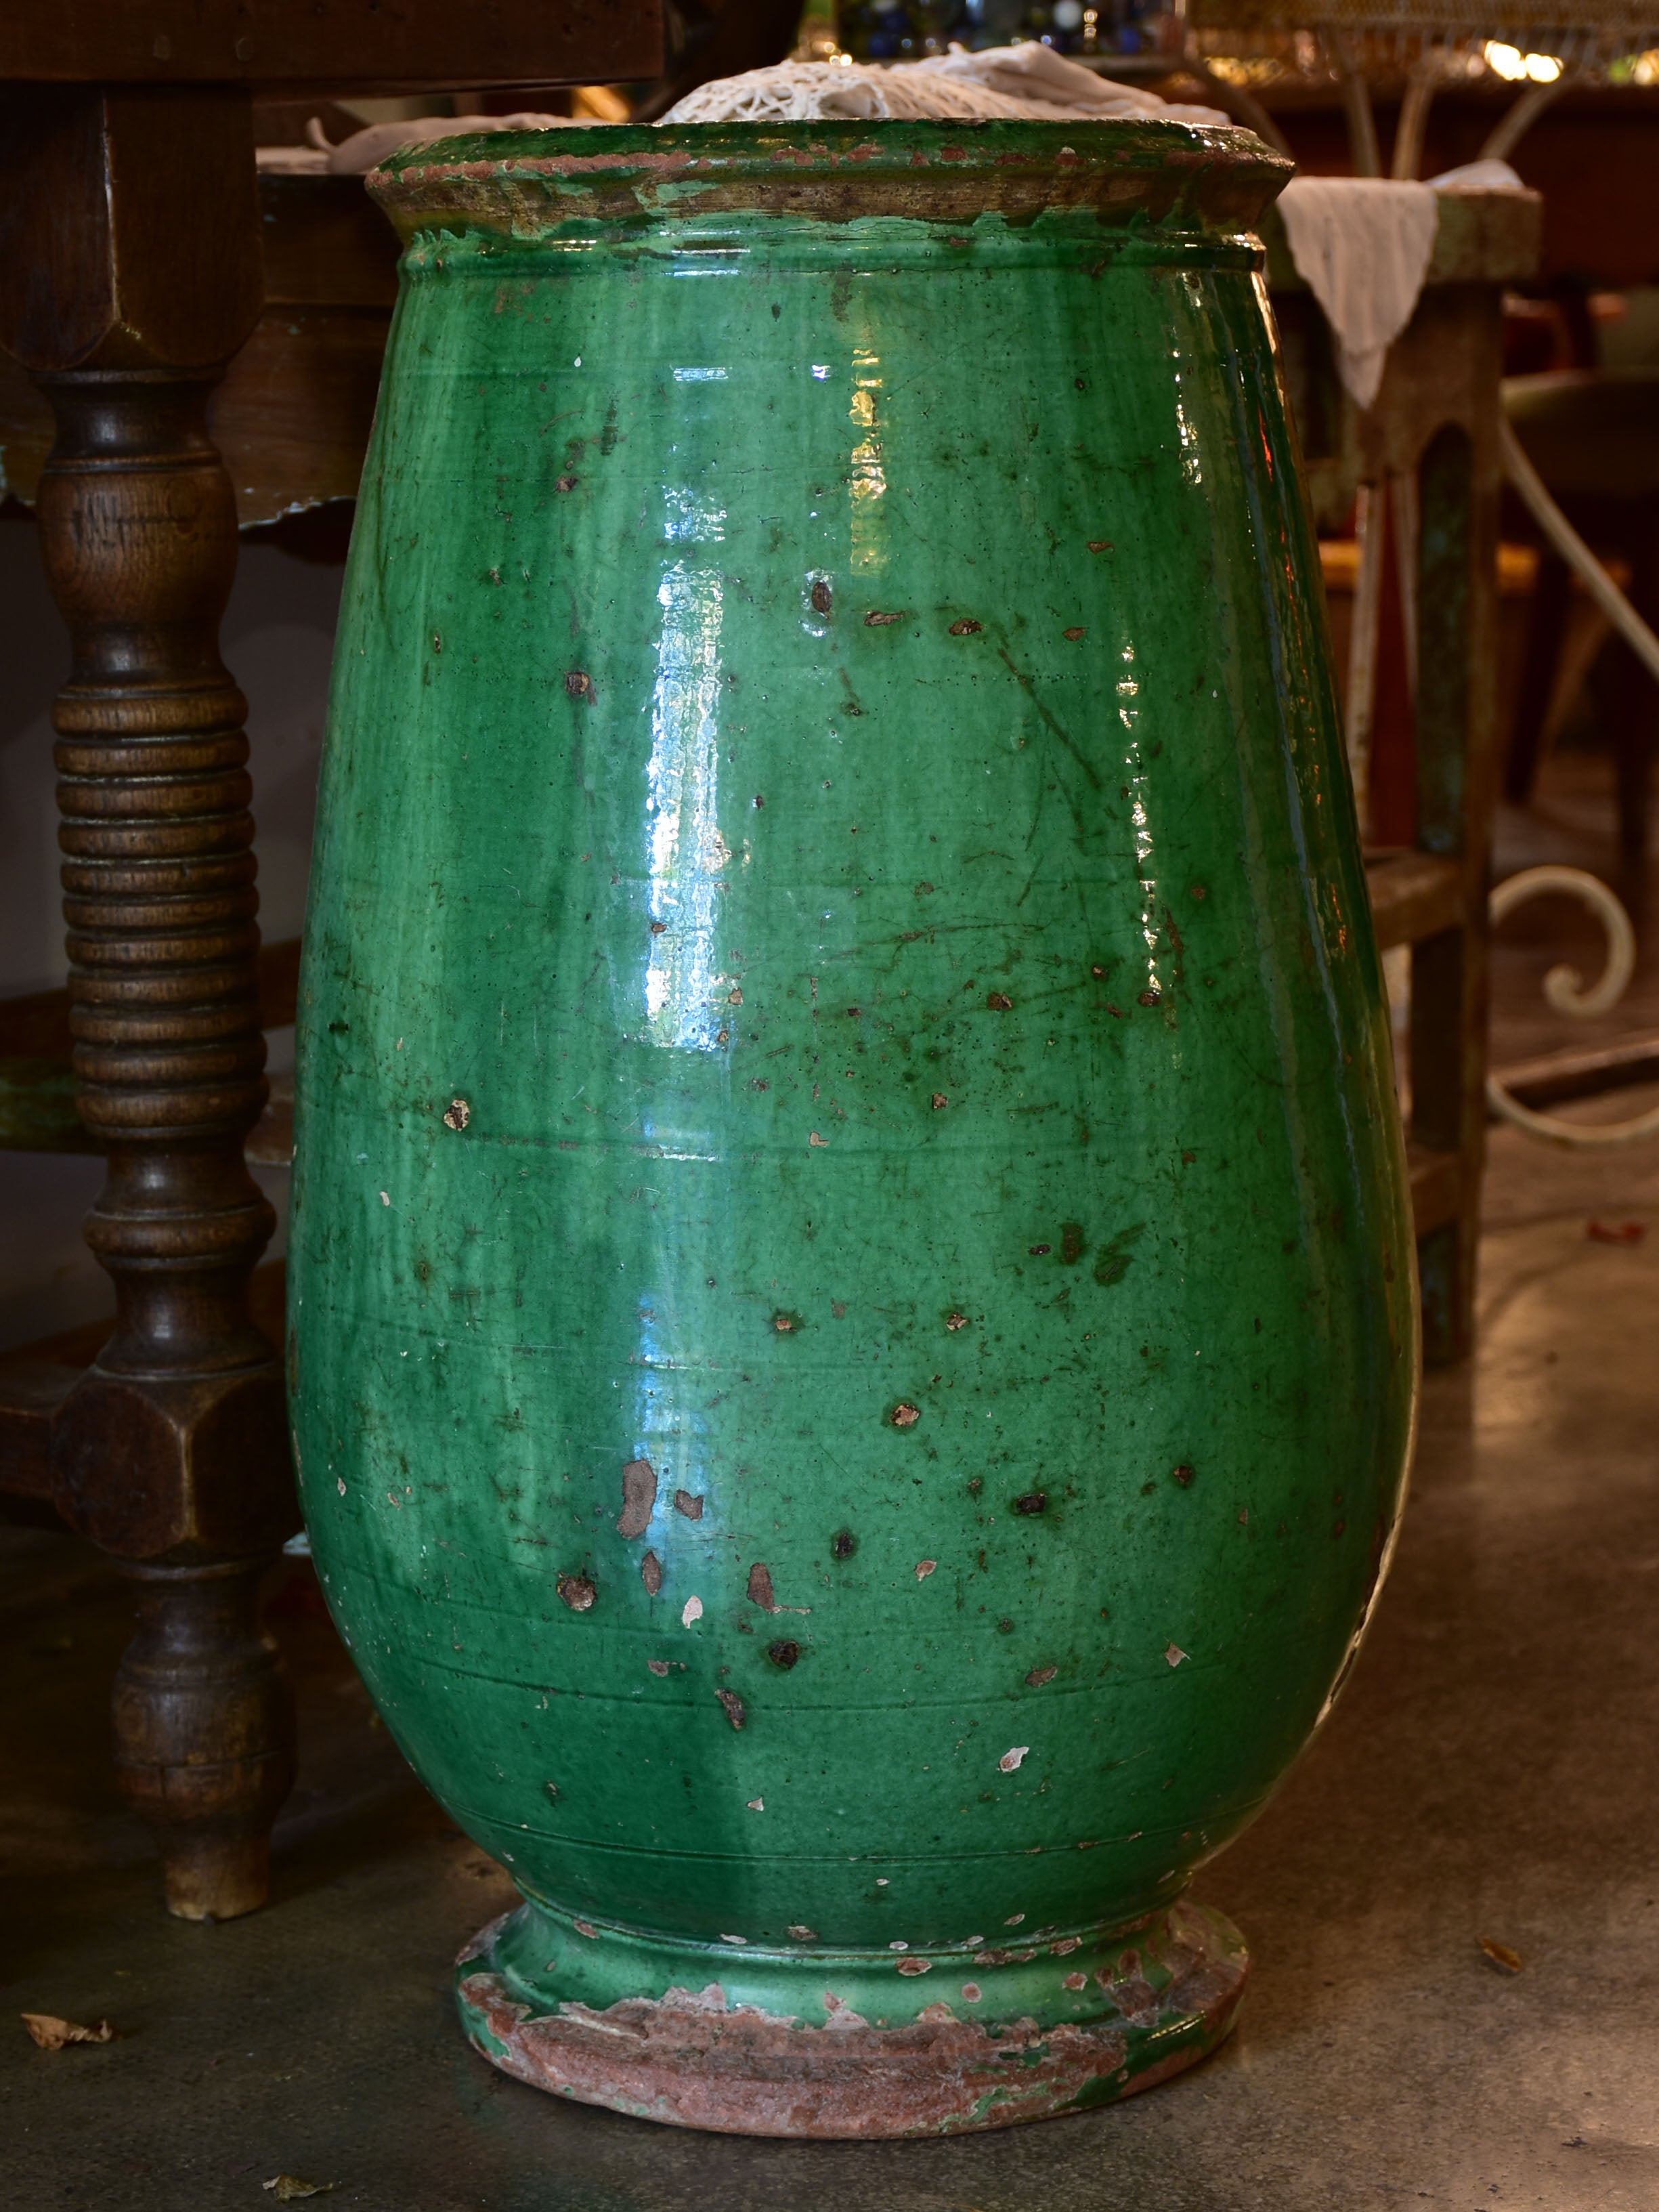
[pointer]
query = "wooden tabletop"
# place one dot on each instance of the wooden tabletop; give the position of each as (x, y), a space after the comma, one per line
(330, 45)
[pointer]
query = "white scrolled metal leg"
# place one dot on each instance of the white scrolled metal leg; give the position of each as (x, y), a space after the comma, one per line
(1564, 989)
(1577, 555)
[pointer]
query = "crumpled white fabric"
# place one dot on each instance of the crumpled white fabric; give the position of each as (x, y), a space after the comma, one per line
(1363, 246)
(364, 149)
(1030, 81)
(1479, 177)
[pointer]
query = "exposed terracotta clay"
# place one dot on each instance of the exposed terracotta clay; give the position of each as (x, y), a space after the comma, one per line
(638, 1482)
(694, 2060)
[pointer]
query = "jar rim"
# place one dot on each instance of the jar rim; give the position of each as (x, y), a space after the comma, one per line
(1209, 178)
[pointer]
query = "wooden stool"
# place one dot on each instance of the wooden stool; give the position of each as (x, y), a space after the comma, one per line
(1434, 425)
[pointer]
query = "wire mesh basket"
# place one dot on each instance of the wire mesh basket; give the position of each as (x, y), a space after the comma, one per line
(1388, 38)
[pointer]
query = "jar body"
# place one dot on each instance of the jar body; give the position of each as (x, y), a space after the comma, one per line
(850, 1269)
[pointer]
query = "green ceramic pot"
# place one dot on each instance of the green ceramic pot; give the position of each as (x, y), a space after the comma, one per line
(853, 1353)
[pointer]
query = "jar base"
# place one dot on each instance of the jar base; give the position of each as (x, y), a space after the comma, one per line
(1127, 2009)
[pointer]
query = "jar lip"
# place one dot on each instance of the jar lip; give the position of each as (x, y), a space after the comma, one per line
(1205, 177)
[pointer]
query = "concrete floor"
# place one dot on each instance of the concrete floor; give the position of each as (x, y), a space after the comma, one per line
(1489, 1772)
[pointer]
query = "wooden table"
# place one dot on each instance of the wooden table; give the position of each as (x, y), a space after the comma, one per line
(133, 269)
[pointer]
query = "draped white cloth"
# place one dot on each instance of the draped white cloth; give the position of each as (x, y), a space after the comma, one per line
(1363, 246)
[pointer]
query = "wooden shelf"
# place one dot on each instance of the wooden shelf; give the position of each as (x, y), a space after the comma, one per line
(1437, 1180)
(1414, 894)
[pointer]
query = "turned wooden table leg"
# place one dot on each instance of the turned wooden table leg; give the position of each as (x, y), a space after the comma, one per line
(172, 1451)
(139, 211)
(204, 1733)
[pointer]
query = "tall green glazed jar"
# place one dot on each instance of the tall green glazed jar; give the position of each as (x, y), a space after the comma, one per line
(852, 1344)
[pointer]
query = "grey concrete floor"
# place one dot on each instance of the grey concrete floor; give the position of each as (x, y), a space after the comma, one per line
(1489, 1772)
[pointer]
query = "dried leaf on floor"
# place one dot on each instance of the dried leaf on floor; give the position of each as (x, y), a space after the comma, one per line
(1615, 1232)
(54, 2034)
(1506, 1961)
(288, 2188)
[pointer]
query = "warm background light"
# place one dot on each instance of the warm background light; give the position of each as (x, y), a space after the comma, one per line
(1510, 62)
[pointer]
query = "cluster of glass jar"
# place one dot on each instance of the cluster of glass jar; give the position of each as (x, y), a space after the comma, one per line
(905, 30)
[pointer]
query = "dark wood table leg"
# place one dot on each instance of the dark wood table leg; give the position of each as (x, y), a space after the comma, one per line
(129, 273)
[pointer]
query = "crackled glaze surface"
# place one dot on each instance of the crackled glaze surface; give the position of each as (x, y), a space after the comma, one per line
(852, 1345)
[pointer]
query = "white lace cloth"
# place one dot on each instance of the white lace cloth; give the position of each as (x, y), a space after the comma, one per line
(1029, 80)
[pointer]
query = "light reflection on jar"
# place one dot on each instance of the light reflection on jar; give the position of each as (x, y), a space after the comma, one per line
(686, 856)
(1138, 794)
(867, 481)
